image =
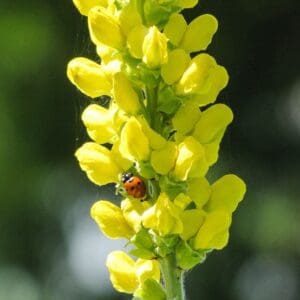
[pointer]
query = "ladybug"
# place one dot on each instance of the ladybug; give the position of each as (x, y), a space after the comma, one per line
(134, 185)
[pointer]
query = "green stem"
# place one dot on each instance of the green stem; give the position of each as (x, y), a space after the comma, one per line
(172, 277)
(151, 96)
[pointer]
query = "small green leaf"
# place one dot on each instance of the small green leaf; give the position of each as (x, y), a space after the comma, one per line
(172, 188)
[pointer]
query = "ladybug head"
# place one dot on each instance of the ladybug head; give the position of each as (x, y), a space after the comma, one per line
(126, 177)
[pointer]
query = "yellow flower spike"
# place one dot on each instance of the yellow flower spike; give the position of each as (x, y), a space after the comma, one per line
(199, 33)
(123, 162)
(180, 121)
(226, 193)
(129, 18)
(134, 143)
(135, 40)
(191, 157)
(84, 6)
(217, 80)
(104, 28)
(99, 123)
(192, 219)
(178, 60)
(213, 121)
(213, 234)
(122, 272)
(98, 163)
(110, 220)
(182, 201)
(175, 28)
(163, 216)
(89, 77)
(195, 78)
(163, 160)
(156, 141)
(155, 49)
(199, 191)
(133, 210)
(124, 94)
(147, 269)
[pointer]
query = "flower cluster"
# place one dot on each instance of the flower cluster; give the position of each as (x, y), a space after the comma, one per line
(156, 139)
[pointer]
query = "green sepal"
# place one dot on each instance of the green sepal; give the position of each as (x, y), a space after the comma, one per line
(150, 77)
(143, 239)
(172, 188)
(188, 258)
(142, 253)
(145, 169)
(165, 245)
(150, 290)
(168, 102)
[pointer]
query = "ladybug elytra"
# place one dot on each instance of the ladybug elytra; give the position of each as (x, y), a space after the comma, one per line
(134, 185)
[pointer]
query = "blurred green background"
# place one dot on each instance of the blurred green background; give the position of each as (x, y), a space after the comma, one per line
(49, 247)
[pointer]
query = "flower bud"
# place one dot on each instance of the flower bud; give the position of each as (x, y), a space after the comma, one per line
(88, 77)
(213, 234)
(155, 49)
(122, 272)
(104, 28)
(175, 28)
(199, 33)
(98, 163)
(84, 6)
(178, 61)
(110, 220)
(134, 143)
(124, 95)
(226, 193)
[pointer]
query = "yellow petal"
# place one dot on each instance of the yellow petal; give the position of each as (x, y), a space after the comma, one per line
(199, 191)
(182, 201)
(84, 6)
(163, 160)
(147, 269)
(122, 272)
(213, 121)
(134, 143)
(88, 77)
(187, 3)
(178, 61)
(155, 49)
(135, 40)
(104, 28)
(124, 94)
(110, 220)
(213, 234)
(129, 18)
(98, 163)
(192, 219)
(226, 193)
(175, 28)
(123, 162)
(199, 33)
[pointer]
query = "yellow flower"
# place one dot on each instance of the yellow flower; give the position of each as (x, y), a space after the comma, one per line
(89, 77)
(84, 6)
(199, 33)
(178, 60)
(135, 40)
(191, 219)
(104, 28)
(122, 161)
(175, 28)
(182, 201)
(199, 191)
(110, 220)
(226, 193)
(163, 160)
(98, 163)
(127, 275)
(133, 210)
(129, 18)
(213, 234)
(212, 122)
(163, 216)
(124, 94)
(155, 49)
(190, 161)
(134, 143)
(203, 79)
(100, 124)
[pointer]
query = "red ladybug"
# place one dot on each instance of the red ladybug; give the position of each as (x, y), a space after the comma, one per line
(134, 185)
